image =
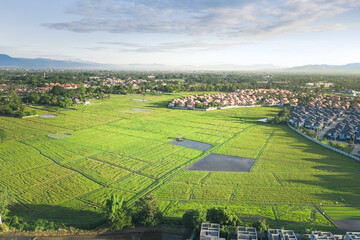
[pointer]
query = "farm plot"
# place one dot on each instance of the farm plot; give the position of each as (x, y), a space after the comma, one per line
(59, 191)
(247, 144)
(100, 196)
(158, 152)
(133, 183)
(60, 151)
(344, 217)
(115, 150)
(17, 128)
(172, 191)
(342, 213)
(23, 164)
(22, 181)
(13, 150)
(164, 165)
(129, 163)
(98, 171)
(75, 212)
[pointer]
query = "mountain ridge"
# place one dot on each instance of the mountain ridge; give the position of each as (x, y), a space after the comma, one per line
(7, 61)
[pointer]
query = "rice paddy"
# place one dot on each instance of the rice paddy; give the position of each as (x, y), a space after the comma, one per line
(115, 150)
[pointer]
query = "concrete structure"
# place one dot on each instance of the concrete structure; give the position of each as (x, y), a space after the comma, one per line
(210, 231)
(278, 234)
(322, 236)
(246, 233)
(352, 236)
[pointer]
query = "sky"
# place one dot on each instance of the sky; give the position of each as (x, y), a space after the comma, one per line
(183, 32)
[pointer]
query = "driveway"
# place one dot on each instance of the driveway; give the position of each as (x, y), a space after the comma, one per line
(331, 126)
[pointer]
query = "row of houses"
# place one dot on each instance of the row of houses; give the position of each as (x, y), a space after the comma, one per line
(211, 231)
(244, 97)
(313, 117)
(348, 129)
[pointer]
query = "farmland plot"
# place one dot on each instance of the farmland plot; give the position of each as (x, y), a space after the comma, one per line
(114, 150)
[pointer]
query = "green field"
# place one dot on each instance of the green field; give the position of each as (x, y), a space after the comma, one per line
(115, 150)
(343, 213)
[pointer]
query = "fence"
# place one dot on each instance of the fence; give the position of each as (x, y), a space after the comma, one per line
(324, 145)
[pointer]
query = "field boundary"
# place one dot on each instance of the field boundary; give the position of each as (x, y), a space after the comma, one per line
(261, 151)
(326, 216)
(324, 145)
(165, 178)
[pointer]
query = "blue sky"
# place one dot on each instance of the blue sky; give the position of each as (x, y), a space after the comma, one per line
(183, 32)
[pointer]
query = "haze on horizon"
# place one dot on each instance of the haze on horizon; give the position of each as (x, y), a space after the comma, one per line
(197, 32)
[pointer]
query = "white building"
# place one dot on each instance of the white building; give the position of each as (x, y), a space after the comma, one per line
(322, 236)
(352, 236)
(210, 231)
(246, 233)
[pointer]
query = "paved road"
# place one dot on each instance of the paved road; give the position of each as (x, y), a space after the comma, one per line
(356, 150)
(331, 126)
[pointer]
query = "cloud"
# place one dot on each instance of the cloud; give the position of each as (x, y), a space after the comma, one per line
(181, 46)
(230, 19)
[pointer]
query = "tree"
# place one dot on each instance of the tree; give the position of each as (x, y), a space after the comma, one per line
(4, 202)
(194, 218)
(119, 219)
(222, 216)
(146, 212)
(65, 102)
(81, 90)
(261, 226)
(58, 90)
(118, 216)
(34, 98)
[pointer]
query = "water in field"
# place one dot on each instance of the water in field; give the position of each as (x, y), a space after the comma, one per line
(139, 100)
(48, 116)
(348, 224)
(142, 109)
(265, 120)
(192, 144)
(222, 163)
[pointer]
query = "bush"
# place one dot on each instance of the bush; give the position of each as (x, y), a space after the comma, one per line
(222, 216)
(193, 218)
(3, 227)
(146, 212)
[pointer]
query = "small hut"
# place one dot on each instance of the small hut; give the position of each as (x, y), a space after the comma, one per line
(180, 138)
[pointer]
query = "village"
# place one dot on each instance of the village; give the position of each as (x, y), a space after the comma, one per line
(244, 97)
(211, 231)
(263, 97)
(333, 123)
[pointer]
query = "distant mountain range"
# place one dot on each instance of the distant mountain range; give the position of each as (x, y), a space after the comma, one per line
(325, 67)
(7, 61)
(42, 63)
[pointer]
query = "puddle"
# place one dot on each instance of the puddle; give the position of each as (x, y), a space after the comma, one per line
(222, 163)
(48, 116)
(192, 144)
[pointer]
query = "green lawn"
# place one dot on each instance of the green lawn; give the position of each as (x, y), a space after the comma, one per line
(115, 150)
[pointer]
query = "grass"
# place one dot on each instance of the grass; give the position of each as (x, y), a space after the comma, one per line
(343, 213)
(114, 150)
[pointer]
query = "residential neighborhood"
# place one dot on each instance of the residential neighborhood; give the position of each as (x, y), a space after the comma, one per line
(338, 124)
(244, 97)
(211, 231)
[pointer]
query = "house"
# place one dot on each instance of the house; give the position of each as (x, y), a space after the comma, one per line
(322, 236)
(210, 231)
(352, 236)
(279, 234)
(246, 233)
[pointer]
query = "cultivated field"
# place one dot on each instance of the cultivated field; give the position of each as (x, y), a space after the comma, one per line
(114, 149)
